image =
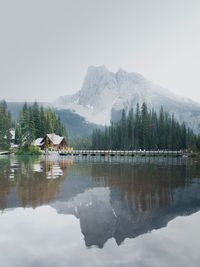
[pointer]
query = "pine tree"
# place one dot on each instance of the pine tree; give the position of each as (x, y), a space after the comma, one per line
(144, 127)
(36, 120)
(5, 126)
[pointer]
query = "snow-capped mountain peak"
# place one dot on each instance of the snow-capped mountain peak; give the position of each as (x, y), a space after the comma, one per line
(104, 94)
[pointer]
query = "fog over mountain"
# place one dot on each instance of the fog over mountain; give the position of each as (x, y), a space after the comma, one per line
(104, 94)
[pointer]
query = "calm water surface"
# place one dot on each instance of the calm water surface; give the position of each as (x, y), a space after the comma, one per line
(92, 212)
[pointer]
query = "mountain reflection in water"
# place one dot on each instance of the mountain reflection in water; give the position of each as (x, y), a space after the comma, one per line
(112, 199)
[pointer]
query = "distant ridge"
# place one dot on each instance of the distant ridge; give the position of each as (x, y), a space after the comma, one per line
(76, 125)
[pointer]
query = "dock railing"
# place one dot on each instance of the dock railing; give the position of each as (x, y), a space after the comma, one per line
(121, 153)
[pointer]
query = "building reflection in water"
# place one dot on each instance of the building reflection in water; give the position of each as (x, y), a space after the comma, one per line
(111, 199)
(30, 181)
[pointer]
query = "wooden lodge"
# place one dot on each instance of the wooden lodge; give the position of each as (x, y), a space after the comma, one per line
(51, 141)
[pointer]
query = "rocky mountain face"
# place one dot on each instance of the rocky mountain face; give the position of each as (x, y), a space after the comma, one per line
(104, 94)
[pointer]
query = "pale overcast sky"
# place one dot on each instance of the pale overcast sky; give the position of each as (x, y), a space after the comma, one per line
(46, 46)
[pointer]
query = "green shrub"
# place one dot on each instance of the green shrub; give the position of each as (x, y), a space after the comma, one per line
(29, 150)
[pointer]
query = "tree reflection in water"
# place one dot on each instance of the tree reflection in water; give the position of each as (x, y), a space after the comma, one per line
(112, 199)
(36, 180)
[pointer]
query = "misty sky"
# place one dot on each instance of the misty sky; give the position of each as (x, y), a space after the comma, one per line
(46, 46)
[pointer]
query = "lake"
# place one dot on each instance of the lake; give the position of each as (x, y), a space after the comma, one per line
(99, 212)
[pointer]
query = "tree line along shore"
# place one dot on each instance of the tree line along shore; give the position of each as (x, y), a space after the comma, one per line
(140, 129)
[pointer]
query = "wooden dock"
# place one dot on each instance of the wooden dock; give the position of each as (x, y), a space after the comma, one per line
(122, 153)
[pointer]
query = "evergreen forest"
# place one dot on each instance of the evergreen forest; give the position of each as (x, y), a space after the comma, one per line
(142, 128)
(34, 122)
(145, 129)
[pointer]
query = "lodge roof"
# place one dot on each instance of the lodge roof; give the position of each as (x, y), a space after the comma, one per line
(38, 142)
(55, 139)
